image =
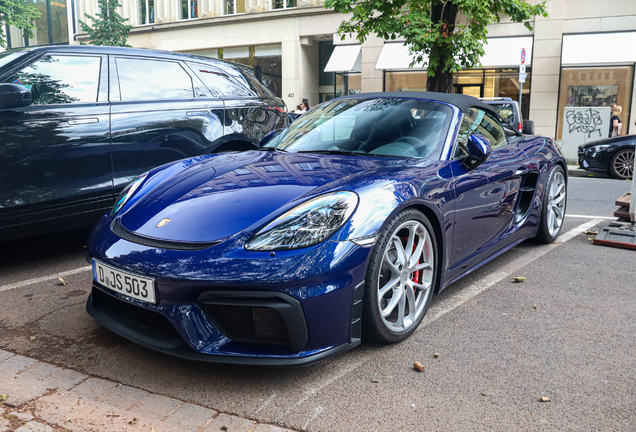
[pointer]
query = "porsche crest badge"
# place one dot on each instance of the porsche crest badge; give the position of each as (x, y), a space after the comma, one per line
(163, 222)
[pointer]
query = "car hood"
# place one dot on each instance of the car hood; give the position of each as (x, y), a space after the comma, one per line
(229, 193)
(619, 140)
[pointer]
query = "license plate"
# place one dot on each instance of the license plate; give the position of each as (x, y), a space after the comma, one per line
(126, 283)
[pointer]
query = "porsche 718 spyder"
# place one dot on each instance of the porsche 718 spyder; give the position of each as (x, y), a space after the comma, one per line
(341, 228)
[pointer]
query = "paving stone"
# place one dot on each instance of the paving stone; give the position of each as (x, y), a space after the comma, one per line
(231, 423)
(5, 355)
(23, 416)
(15, 364)
(190, 416)
(65, 379)
(93, 388)
(21, 390)
(34, 427)
(40, 371)
(123, 397)
(4, 423)
(155, 406)
(270, 428)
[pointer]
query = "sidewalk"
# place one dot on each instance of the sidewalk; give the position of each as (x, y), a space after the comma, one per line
(40, 397)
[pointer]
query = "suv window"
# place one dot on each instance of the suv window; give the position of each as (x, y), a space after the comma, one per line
(483, 123)
(218, 82)
(60, 79)
(141, 79)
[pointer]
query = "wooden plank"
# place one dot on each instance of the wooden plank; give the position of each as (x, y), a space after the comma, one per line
(624, 237)
(624, 200)
(622, 212)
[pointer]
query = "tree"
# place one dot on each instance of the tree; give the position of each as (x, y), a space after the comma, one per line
(19, 13)
(108, 27)
(452, 33)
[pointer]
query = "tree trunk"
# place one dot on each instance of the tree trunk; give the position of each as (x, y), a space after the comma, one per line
(445, 14)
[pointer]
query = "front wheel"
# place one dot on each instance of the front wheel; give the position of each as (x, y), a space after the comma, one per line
(622, 164)
(401, 278)
(554, 202)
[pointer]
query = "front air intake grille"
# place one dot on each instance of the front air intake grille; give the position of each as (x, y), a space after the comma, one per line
(249, 323)
(257, 317)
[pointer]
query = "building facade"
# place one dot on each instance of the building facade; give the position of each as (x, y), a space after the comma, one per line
(579, 60)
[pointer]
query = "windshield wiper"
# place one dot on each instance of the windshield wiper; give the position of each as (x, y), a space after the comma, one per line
(271, 149)
(339, 152)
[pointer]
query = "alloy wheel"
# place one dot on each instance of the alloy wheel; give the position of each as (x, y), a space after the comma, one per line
(556, 203)
(406, 276)
(624, 164)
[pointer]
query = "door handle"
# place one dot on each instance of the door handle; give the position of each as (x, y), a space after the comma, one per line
(196, 113)
(522, 171)
(83, 121)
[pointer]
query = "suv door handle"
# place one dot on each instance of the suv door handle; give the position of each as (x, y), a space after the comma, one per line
(83, 121)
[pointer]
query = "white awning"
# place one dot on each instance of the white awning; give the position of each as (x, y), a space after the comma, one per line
(500, 53)
(599, 48)
(345, 58)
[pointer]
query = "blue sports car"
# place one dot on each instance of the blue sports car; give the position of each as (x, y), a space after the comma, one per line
(341, 228)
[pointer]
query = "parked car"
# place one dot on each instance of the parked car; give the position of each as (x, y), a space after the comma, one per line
(610, 155)
(509, 111)
(78, 123)
(340, 228)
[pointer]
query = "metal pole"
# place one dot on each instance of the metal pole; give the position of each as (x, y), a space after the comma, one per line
(632, 200)
(520, 96)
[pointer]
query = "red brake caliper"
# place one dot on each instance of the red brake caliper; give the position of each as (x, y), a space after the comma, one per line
(417, 275)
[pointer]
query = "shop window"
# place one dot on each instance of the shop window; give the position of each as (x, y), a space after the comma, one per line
(50, 28)
(145, 12)
(189, 9)
(584, 103)
(266, 61)
(284, 4)
(405, 81)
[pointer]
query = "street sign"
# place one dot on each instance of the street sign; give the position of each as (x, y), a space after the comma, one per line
(523, 55)
(522, 68)
(522, 77)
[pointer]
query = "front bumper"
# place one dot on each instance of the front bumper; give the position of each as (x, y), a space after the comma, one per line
(315, 295)
(591, 160)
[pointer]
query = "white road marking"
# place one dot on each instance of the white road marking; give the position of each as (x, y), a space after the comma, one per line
(44, 278)
(316, 412)
(590, 217)
(271, 398)
(441, 307)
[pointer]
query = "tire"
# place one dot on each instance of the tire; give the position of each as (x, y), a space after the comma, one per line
(621, 165)
(553, 208)
(420, 278)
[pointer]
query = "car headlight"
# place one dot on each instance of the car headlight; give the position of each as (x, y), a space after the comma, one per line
(600, 147)
(305, 225)
(128, 191)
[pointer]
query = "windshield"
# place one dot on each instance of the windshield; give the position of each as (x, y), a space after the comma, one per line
(5, 58)
(388, 127)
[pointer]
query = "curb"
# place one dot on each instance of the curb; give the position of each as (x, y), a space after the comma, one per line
(40, 397)
(575, 171)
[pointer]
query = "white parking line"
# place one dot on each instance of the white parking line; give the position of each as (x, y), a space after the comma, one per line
(442, 306)
(44, 278)
(590, 217)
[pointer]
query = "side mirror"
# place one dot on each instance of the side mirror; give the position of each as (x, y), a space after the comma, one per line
(14, 96)
(270, 136)
(479, 150)
(528, 127)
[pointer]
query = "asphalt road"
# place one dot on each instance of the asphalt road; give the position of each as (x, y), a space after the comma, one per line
(566, 333)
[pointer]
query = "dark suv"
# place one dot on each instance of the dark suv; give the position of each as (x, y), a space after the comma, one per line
(77, 123)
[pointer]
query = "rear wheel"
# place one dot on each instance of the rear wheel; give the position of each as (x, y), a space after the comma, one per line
(554, 202)
(401, 278)
(622, 164)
